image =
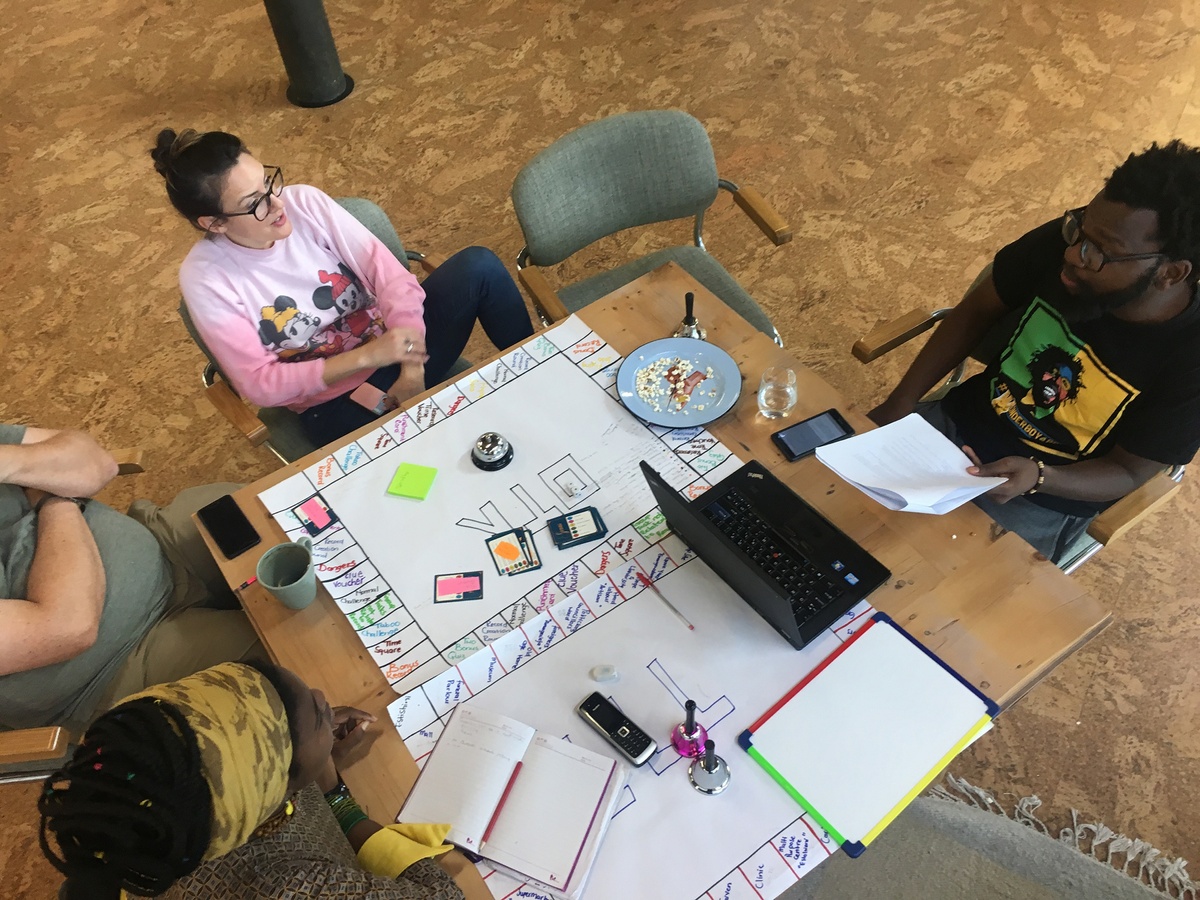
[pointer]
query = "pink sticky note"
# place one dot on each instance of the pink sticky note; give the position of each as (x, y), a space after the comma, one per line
(457, 585)
(315, 510)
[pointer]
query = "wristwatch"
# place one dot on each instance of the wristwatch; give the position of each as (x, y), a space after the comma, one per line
(81, 502)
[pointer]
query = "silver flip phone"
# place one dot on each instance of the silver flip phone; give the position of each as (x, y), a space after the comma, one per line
(635, 745)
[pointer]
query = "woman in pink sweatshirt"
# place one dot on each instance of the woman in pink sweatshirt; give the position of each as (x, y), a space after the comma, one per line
(301, 304)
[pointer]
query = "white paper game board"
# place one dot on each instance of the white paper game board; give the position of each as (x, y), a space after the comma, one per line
(525, 648)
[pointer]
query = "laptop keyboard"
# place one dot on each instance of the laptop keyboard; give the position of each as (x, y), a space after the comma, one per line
(810, 589)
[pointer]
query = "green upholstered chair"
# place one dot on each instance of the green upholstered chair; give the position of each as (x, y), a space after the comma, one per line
(278, 428)
(628, 170)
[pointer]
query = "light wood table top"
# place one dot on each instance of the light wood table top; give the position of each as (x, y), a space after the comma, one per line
(991, 607)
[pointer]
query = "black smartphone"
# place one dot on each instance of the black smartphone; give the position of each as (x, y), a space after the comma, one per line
(799, 440)
(228, 526)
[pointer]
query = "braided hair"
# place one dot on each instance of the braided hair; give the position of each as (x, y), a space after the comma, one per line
(132, 809)
(194, 165)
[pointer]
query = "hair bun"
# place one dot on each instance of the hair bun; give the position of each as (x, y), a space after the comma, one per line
(161, 152)
(168, 147)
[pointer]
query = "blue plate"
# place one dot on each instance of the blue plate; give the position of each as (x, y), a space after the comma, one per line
(716, 393)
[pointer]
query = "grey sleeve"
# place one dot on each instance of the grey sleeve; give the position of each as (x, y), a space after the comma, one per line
(12, 434)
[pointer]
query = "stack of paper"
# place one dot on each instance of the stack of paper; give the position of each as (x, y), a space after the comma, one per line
(907, 465)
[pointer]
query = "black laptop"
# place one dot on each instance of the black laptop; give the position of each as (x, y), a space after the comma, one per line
(794, 566)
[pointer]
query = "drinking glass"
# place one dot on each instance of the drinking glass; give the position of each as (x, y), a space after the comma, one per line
(777, 392)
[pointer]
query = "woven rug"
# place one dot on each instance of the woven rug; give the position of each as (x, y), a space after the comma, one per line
(958, 842)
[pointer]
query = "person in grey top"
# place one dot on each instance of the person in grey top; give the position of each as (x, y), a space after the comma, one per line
(94, 604)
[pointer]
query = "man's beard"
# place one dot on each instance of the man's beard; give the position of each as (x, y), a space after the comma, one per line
(1086, 304)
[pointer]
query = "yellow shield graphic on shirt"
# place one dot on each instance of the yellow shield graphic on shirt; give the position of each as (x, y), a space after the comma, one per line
(1054, 389)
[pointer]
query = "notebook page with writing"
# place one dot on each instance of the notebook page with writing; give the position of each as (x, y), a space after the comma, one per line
(907, 465)
(889, 711)
(465, 777)
(558, 799)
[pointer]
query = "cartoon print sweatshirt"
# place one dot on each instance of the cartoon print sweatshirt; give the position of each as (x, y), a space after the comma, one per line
(271, 317)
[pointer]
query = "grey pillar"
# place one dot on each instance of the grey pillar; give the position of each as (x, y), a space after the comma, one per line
(315, 76)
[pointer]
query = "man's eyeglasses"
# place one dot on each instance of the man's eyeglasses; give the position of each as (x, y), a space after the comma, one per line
(273, 179)
(1093, 257)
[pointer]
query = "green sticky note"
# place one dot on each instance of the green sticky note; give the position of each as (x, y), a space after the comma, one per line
(412, 480)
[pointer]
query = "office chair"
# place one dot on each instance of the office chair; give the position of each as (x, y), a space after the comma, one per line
(1106, 527)
(278, 428)
(627, 170)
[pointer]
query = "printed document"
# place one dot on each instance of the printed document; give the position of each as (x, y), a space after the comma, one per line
(907, 465)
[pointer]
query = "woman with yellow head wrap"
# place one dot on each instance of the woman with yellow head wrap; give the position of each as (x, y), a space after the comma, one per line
(212, 787)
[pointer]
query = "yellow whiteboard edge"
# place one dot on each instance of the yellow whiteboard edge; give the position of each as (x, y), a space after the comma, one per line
(924, 782)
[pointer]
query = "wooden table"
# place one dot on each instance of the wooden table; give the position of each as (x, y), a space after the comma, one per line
(989, 605)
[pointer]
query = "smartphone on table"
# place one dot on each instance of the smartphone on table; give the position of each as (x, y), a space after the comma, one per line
(228, 525)
(802, 439)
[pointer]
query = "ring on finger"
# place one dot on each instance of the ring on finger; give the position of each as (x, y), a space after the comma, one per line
(408, 347)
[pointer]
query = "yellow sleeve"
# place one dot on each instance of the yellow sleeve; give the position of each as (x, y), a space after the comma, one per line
(394, 848)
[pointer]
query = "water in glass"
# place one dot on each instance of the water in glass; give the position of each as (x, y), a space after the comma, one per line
(777, 392)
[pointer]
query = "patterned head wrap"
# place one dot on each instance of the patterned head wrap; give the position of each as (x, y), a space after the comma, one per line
(245, 747)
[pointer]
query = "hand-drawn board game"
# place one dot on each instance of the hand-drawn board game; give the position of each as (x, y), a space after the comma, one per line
(452, 613)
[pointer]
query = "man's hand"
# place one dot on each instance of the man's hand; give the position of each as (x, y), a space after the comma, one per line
(68, 463)
(1021, 472)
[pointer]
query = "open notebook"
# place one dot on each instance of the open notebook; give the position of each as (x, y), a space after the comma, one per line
(890, 712)
(527, 801)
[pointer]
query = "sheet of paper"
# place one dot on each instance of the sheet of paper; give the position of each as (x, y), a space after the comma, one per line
(907, 465)
(463, 781)
(554, 803)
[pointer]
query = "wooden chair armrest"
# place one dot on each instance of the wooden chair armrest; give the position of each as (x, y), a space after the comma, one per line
(431, 261)
(129, 461)
(1132, 508)
(545, 300)
(33, 745)
(233, 408)
(763, 214)
(887, 337)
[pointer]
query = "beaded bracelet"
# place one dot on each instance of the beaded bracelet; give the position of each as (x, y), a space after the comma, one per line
(1041, 476)
(344, 807)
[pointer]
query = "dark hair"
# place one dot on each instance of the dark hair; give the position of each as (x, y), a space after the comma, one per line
(291, 704)
(1165, 180)
(194, 166)
(132, 809)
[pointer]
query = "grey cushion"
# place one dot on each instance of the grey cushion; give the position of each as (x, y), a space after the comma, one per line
(938, 850)
(699, 264)
(617, 173)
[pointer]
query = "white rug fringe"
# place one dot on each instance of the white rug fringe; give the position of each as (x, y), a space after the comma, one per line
(1130, 856)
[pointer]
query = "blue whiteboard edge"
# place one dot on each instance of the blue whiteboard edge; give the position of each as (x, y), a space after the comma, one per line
(993, 709)
(854, 849)
(746, 740)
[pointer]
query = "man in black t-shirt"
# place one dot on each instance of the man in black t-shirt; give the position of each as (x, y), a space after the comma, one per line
(1097, 386)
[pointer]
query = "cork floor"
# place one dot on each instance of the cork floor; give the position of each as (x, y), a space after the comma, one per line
(904, 139)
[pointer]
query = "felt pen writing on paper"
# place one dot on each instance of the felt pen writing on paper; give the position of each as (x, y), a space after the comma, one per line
(487, 832)
(671, 606)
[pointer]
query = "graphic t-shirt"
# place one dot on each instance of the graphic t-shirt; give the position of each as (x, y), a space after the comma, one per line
(1065, 390)
(272, 317)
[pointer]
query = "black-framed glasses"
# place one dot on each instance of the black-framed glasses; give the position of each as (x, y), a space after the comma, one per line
(273, 179)
(1093, 258)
